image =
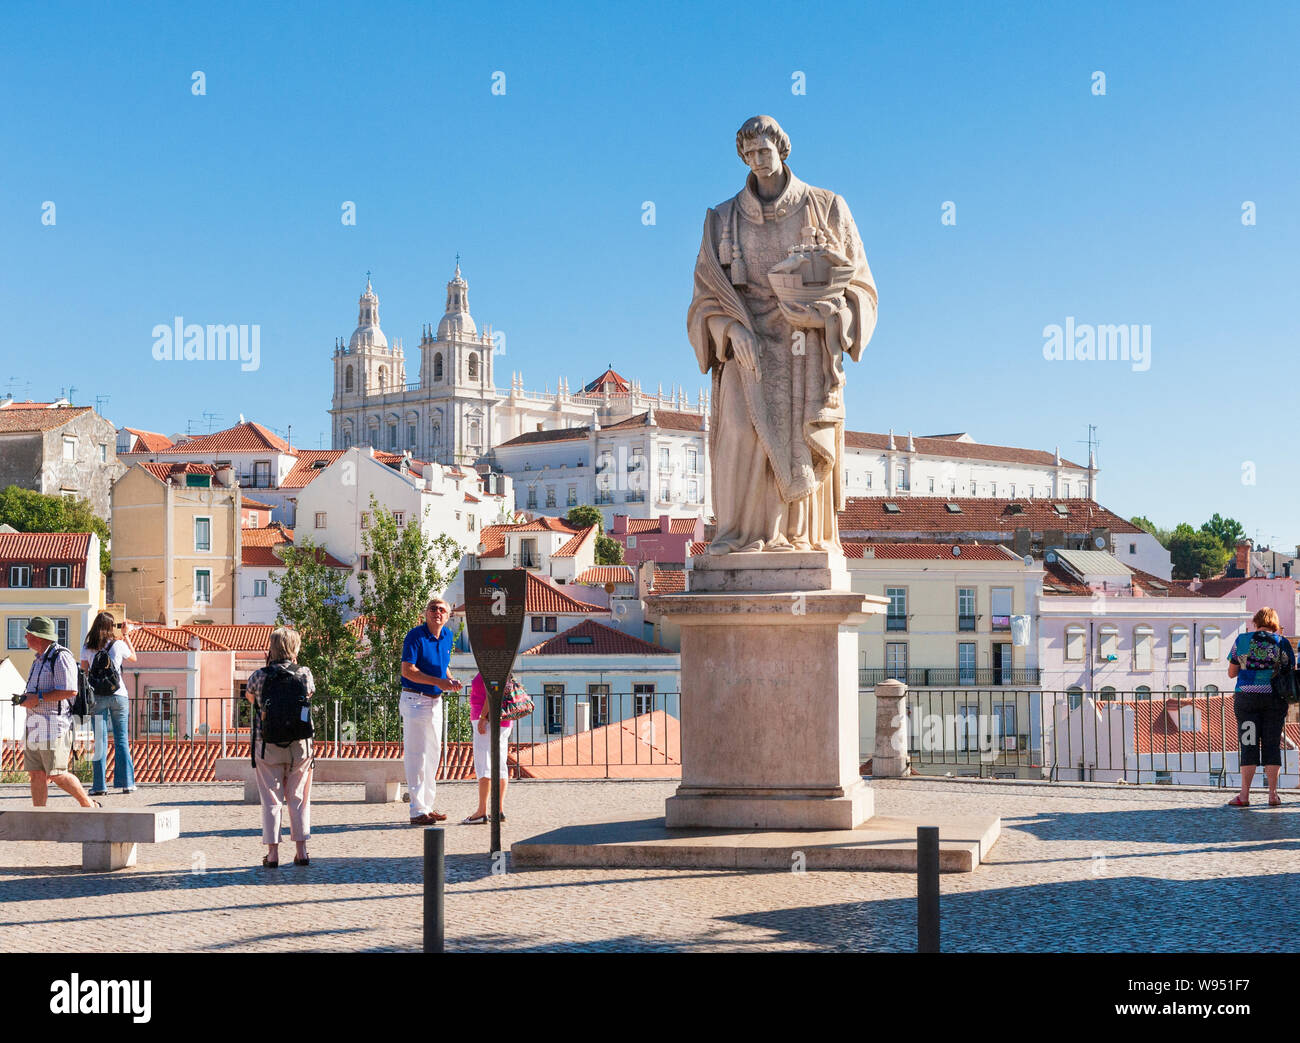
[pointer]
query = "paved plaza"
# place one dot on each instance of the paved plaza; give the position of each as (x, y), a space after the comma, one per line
(1077, 869)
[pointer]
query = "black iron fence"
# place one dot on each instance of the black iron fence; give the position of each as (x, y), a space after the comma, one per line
(950, 677)
(173, 738)
(1166, 737)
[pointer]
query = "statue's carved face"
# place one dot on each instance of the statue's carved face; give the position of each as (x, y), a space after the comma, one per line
(762, 156)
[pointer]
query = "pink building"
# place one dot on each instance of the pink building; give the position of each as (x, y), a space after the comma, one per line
(663, 540)
(1281, 594)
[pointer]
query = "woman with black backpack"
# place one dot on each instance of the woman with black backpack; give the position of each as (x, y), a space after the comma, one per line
(102, 657)
(281, 744)
(1263, 663)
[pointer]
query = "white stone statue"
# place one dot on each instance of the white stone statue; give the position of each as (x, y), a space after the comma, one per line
(782, 291)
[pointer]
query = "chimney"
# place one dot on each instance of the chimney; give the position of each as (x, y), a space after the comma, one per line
(665, 524)
(1195, 584)
(620, 525)
(226, 476)
(1243, 557)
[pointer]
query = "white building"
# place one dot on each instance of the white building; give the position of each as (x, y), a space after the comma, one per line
(957, 465)
(452, 411)
(551, 547)
(260, 570)
(334, 510)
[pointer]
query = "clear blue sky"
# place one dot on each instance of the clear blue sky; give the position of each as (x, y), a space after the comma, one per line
(1125, 208)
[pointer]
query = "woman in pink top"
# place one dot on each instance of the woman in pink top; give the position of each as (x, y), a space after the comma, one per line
(483, 752)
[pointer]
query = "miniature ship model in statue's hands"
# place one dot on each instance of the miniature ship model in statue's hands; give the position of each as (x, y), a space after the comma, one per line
(782, 287)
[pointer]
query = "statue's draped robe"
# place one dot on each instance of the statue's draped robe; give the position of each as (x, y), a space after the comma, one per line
(776, 440)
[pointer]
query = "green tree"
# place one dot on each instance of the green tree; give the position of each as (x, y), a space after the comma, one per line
(584, 515)
(1147, 525)
(1196, 553)
(1228, 531)
(313, 598)
(406, 568)
(29, 511)
(608, 551)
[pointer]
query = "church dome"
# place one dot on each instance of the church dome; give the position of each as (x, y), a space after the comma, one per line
(457, 322)
(368, 334)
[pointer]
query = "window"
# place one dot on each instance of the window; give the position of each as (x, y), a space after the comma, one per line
(902, 480)
(1132, 548)
(365, 519)
(931, 485)
(410, 434)
(528, 553)
(202, 534)
(1189, 719)
(573, 496)
(437, 366)
(392, 437)
(1143, 692)
(532, 496)
(1001, 608)
(554, 695)
(473, 366)
(1178, 644)
(1012, 487)
(469, 522)
(1143, 639)
(160, 710)
(262, 474)
(1179, 690)
(59, 576)
(17, 632)
(643, 699)
(1210, 644)
(259, 588)
(664, 458)
(1075, 695)
(972, 488)
(20, 576)
(966, 663)
(631, 543)
(868, 483)
(198, 481)
(61, 629)
(69, 449)
(399, 519)
(896, 616)
(550, 624)
(693, 491)
(202, 586)
(364, 563)
(896, 660)
(693, 461)
(965, 608)
(550, 496)
(347, 379)
(598, 697)
(1074, 644)
(320, 519)
(536, 623)
(103, 452)
(1108, 644)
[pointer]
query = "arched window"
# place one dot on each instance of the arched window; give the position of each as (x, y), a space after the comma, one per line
(474, 436)
(1075, 694)
(1143, 692)
(1211, 689)
(473, 365)
(347, 379)
(1107, 694)
(437, 366)
(1179, 690)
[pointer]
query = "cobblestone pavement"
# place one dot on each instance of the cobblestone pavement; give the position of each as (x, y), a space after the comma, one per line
(1077, 869)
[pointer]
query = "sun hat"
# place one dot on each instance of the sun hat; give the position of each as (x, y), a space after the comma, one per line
(42, 627)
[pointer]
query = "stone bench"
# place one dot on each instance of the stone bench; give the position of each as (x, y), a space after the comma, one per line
(108, 837)
(382, 776)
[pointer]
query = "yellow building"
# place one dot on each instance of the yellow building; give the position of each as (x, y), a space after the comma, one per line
(176, 542)
(949, 623)
(53, 574)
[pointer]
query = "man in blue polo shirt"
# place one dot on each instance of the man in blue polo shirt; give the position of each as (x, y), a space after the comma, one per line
(426, 656)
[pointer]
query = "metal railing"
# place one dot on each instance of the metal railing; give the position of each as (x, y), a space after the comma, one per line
(1172, 737)
(950, 677)
(173, 738)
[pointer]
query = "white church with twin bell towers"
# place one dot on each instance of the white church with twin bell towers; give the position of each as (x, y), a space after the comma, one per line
(454, 413)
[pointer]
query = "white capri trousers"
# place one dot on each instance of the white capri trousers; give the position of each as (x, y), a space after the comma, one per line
(483, 750)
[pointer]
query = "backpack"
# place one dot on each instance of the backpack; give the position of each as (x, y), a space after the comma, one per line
(103, 675)
(1275, 659)
(83, 703)
(283, 708)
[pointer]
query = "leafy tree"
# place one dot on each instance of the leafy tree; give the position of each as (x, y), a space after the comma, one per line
(608, 551)
(1196, 553)
(29, 511)
(406, 568)
(1228, 531)
(313, 598)
(584, 515)
(1147, 525)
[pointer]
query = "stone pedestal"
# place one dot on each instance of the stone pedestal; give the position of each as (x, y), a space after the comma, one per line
(769, 707)
(103, 857)
(890, 759)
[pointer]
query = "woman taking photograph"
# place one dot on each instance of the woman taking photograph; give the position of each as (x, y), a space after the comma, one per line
(280, 693)
(114, 708)
(1255, 658)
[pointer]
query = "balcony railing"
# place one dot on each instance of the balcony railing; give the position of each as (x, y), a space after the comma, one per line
(951, 676)
(895, 622)
(965, 622)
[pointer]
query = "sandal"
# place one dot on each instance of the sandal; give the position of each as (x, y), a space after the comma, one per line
(268, 864)
(304, 861)
(1275, 801)
(1237, 802)
(474, 820)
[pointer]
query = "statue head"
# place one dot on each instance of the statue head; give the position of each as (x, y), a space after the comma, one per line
(763, 145)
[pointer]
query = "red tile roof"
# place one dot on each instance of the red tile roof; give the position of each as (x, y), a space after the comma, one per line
(247, 437)
(159, 639)
(493, 538)
(677, 526)
(598, 575)
(665, 418)
(42, 549)
(241, 637)
(546, 598)
(608, 379)
(945, 445)
(604, 640)
(697, 548)
(668, 581)
(928, 551)
(571, 548)
(559, 434)
(393, 459)
(254, 505)
(16, 419)
(308, 465)
(545, 523)
(985, 515)
(472, 499)
(1217, 588)
(166, 472)
(148, 441)
(1158, 726)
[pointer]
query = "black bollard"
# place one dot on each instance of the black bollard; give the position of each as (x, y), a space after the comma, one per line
(435, 877)
(927, 888)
